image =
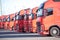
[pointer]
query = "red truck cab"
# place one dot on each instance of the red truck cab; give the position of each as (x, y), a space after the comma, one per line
(16, 26)
(19, 21)
(3, 21)
(11, 24)
(50, 23)
(34, 18)
(7, 22)
(26, 20)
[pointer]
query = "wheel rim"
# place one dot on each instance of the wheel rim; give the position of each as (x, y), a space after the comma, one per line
(55, 32)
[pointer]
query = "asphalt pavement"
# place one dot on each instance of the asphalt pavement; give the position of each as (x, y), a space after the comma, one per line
(12, 35)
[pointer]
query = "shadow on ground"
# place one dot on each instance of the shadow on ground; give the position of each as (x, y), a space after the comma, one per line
(9, 34)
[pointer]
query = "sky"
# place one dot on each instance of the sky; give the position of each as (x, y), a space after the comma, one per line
(12, 6)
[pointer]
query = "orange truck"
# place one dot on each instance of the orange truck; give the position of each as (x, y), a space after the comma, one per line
(16, 26)
(11, 23)
(34, 18)
(3, 21)
(26, 20)
(19, 21)
(30, 15)
(50, 21)
(7, 22)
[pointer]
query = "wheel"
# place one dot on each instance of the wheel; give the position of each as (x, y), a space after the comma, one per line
(23, 30)
(38, 26)
(54, 31)
(17, 28)
(12, 28)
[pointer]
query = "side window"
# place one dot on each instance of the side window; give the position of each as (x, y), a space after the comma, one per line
(8, 19)
(56, 0)
(25, 16)
(17, 16)
(32, 16)
(49, 11)
(4, 19)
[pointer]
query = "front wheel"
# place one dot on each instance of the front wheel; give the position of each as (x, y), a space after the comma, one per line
(17, 28)
(54, 31)
(23, 30)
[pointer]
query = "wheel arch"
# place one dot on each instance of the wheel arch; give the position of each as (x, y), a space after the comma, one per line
(54, 26)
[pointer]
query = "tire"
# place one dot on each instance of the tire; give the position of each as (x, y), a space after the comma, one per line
(23, 30)
(38, 26)
(17, 28)
(13, 28)
(54, 31)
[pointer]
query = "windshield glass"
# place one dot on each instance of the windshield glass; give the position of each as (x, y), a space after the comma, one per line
(24, 16)
(8, 19)
(40, 10)
(41, 6)
(30, 16)
(17, 17)
(4, 19)
(39, 13)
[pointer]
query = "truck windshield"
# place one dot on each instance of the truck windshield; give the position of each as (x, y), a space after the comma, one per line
(8, 19)
(32, 15)
(17, 17)
(40, 10)
(26, 16)
(4, 19)
(41, 6)
(39, 13)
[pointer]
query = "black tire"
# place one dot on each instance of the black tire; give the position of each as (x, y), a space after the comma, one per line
(23, 30)
(38, 26)
(54, 31)
(17, 28)
(12, 28)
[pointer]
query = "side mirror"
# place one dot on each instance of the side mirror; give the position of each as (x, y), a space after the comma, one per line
(11, 19)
